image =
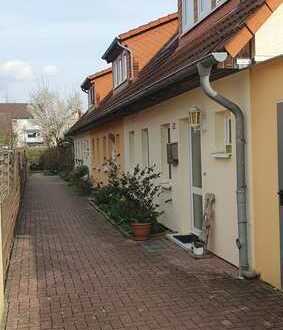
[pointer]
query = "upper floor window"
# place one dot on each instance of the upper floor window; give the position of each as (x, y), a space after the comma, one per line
(193, 11)
(120, 69)
(91, 96)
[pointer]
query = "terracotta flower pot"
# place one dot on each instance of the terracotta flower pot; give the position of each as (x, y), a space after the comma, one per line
(141, 231)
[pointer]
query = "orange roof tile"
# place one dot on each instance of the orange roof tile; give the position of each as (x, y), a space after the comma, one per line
(148, 26)
(99, 73)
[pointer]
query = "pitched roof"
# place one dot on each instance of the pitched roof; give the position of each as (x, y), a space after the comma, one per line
(148, 26)
(174, 64)
(100, 73)
(122, 38)
(10, 111)
(87, 82)
(15, 110)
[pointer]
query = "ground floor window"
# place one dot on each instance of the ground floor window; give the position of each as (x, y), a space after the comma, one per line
(145, 147)
(223, 132)
(132, 148)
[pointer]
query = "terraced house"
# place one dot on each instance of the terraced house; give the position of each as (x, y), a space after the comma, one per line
(207, 109)
(128, 54)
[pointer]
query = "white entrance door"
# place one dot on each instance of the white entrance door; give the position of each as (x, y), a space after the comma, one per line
(196, 180)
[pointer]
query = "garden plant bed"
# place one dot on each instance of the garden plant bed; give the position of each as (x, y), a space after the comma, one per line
(128, 200)
(124, 232)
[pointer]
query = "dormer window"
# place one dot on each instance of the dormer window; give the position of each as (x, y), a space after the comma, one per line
(120, 69)
(91, 96)
(194, 11)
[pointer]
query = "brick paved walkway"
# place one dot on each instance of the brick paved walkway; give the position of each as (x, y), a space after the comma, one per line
(72, 270)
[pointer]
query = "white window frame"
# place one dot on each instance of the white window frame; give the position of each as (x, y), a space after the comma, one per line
(91, 96)
(132, 151)
(120, 69)
(188, 19)
(228, 138)
(145, 147)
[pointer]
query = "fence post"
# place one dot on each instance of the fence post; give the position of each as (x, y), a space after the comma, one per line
(8, 173)
(2, 295)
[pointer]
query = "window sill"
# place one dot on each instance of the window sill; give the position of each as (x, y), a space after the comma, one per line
(222, 155)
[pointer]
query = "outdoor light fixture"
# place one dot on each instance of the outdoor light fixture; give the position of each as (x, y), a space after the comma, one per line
(195, 117)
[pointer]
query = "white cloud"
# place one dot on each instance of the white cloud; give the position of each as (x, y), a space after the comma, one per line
(50, 70)
(16, 70)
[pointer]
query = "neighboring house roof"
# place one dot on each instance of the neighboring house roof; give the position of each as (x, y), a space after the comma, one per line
(174, 66)
(15, 110)
(8, 113)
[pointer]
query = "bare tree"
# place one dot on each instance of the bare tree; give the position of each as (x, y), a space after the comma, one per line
(53, 113)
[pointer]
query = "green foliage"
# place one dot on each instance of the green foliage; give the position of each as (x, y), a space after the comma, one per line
(79, 179)
(130, 196)
(78, 173)
(33, 154)
(54, 160)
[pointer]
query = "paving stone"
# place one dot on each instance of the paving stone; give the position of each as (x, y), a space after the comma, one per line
(71, 270)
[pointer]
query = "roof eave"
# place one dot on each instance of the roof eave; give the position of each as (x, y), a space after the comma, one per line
(107, 56)
(85, 86)
(161, 86)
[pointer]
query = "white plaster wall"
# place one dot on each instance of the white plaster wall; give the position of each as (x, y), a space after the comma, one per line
(20, 126)
(82, 150)
(219, 175)
(269, 38)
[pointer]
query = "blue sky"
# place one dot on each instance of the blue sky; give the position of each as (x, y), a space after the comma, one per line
(63, 40)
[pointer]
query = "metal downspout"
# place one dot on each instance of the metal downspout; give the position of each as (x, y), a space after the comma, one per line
(204, 69)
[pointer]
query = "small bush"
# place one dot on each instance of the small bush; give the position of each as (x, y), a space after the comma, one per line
(130, 196)
(77, 173)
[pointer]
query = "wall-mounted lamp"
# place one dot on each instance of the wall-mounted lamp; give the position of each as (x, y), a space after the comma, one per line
(195, 117)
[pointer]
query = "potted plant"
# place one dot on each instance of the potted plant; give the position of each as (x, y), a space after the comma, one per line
(140, 192)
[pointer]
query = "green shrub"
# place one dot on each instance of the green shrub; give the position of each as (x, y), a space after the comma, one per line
(77, 173)
(84, 187)
(130, 196)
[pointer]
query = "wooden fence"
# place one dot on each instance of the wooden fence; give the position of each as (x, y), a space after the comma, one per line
(12, 180)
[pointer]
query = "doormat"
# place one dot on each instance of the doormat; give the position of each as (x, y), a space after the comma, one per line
(184, 241)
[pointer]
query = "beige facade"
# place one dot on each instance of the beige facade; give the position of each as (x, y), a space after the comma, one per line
(269, 38)
(218, 172)
(106, 143)
(82, 150)
(257, 91)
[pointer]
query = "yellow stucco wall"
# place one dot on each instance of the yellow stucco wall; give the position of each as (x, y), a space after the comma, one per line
(266, 91)
(101, 148)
